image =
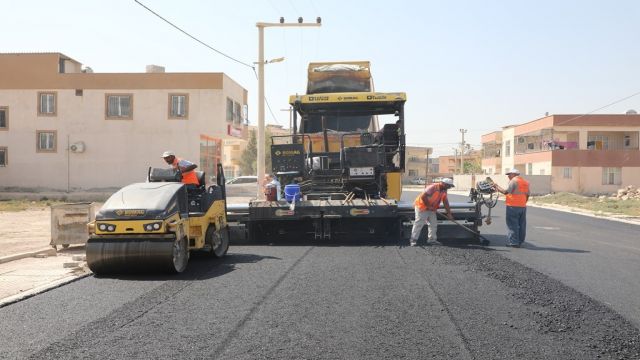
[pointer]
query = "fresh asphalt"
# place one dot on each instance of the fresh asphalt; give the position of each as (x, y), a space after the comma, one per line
(552, 299)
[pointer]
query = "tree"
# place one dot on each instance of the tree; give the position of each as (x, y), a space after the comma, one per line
(471, 166)
(248, 159)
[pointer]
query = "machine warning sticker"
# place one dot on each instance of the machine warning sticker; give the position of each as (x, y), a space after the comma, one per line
(356, 212)
(282, 212)
(130, 212)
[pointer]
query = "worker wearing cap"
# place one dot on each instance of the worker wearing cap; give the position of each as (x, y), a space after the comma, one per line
(426, 207)
(517, 193)
(186, 167)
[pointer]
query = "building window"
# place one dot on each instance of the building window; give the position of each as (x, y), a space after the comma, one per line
(541, 171)
(178, 106)
(119, 106)
(530, 169)
(598, 142)
(413, 173)
(237, 113)
(79, 92)
(47, 103)
(507, 148)
(567, 173)
(4, 118)
(229, 110)
(611, 176)
(46, 141)
(627, 141)
(4, 158)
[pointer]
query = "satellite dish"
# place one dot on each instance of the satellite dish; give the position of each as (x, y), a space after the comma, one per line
(632, 112)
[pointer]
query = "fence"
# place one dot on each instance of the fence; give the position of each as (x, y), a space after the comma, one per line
(539, 184)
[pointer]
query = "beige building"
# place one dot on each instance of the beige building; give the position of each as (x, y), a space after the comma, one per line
(418, 165)
(233, 148)
(64, 127)
(455, 164)
(579, 153)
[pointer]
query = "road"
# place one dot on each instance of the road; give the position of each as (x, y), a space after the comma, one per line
(353, 300)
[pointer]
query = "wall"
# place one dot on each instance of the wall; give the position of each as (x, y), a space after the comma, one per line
(508, 161)
(118, 152)
(588, 180)
(539, 184)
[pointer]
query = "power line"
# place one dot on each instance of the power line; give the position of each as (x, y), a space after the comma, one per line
(600, 108)
(267, 101)
(193, 37)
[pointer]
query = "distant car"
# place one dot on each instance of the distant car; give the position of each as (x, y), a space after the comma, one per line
(419, 181)
(244, 186)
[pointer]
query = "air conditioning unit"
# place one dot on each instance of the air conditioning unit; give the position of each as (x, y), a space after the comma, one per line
(77, 147)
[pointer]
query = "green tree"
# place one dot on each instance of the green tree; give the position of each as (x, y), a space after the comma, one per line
(471, 167)
(248, 159)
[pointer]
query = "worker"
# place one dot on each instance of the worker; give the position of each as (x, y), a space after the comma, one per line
(426, 207)
(271, 185)
(186, 168)
(517, 193)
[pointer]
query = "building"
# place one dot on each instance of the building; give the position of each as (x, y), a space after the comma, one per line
(417, 163)
(65, 127)
(233, 148)
(455, 164)
(579, 153)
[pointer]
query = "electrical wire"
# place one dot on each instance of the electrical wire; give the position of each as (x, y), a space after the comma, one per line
(598, 109)
(193, 37)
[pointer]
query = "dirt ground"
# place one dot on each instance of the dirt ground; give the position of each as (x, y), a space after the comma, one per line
(24, 231)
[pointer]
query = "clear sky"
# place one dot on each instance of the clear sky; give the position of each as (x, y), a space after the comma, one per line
(477, 65)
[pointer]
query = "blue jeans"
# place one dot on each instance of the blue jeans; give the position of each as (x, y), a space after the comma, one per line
(517, 224)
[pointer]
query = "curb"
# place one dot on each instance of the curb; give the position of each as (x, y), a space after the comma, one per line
(45, 251)
(578, 211)
(41, 289)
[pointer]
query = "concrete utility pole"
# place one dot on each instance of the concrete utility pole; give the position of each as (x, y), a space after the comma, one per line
(260, 139)
(462, 144)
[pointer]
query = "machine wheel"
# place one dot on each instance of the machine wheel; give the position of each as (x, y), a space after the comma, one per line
(180, 255)
(218, 240)
(65, 246)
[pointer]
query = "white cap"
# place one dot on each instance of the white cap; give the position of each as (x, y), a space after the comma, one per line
(513, 171)
(168, 153)
(447, 181)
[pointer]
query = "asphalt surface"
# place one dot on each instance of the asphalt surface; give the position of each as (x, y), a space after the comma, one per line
(369, 300)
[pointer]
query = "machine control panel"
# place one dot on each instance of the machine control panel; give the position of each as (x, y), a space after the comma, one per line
(287, 157)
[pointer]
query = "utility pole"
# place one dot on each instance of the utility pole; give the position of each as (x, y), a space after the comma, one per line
(462, 145)
(260, 140)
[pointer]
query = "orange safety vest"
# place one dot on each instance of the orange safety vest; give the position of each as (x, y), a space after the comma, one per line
(519, 197)
(188, 177)
(435, 194)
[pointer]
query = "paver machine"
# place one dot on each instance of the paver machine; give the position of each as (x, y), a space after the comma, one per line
(340, 170)
(153, 226)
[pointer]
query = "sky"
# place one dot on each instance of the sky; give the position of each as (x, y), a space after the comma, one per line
(475, 65)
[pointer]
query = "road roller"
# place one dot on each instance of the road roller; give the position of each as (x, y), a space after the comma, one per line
(155, 225)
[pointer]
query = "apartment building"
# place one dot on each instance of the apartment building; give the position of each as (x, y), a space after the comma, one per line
(418, 163)
(64, 127)
(455, 164)
(580, 153)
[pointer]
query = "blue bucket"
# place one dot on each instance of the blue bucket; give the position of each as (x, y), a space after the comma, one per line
(292, 192)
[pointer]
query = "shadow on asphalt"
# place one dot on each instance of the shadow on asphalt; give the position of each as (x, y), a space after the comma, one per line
(501, 241)
(201, 267)
(356, 242)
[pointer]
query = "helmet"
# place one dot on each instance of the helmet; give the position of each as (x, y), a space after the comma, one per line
(447, 181)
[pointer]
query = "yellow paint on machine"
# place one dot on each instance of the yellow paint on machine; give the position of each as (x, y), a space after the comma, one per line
(394, 185)
(348, 97)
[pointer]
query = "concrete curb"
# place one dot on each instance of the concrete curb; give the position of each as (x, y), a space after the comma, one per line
(45, 251)
(41, 289)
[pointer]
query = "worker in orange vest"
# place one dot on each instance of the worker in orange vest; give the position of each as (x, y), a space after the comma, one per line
(186, 167)
(426, 207)
(517, 193)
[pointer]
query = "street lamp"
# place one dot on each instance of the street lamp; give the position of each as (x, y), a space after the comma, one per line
(260, 139)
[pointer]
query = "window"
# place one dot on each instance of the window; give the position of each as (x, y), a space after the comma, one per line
(79, 92)
(47, 103)
(3, 157)
(46, 141)
(507, 148)
(541, 171)
(4, 118)
(413, 173)
(119, 106)
(529, 169)
(229, 110)
(567, 173)
(178, 106)
(237, 113)
(597, 142)
(627, 141)
(611, 176)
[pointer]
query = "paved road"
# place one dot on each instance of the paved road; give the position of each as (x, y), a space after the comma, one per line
(598, 257)
(315, 300)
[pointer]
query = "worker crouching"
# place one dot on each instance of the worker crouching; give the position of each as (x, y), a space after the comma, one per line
(426, 207)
